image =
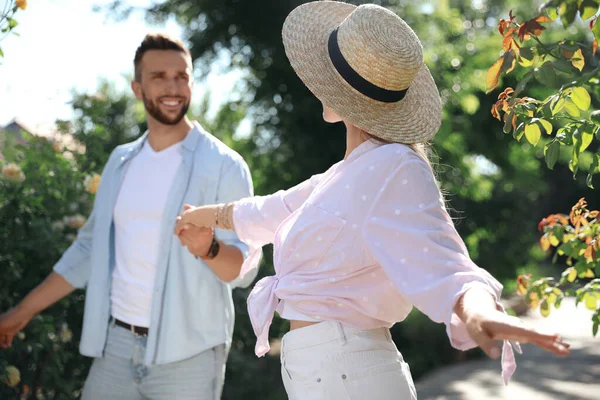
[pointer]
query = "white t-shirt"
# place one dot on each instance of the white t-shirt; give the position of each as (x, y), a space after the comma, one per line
(138, 216)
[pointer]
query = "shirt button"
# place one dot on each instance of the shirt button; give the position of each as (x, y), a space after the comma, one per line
(318, 380)
(344, 376)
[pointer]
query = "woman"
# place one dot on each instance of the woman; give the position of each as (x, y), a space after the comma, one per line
(357, 246)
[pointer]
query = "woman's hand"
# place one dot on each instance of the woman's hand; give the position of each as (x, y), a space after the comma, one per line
(203, 217)
(489, 327)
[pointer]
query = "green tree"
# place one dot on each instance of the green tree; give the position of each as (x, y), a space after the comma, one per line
(46, 192)
(560, 117)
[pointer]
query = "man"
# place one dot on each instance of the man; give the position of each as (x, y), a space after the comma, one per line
(158, 313)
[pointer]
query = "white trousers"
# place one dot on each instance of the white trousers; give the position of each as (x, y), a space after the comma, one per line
(330, 361)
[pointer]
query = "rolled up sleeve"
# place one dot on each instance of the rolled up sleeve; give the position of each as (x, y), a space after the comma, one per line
(410, 234)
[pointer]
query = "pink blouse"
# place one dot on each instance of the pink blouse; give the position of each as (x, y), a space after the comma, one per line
(361, 244)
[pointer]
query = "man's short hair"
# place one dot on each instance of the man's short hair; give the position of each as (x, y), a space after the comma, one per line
(157, 41)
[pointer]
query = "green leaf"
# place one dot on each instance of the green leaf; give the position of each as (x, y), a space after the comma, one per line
(574, 166)
(1, 53)
(565, 135)
(550, 8)
(552, 153)
(570, 46)
(563, 66)
(590, 301)
(558, 105)
(508, 123)
(12, 23)
(588, 181)
(546, 125)
(518, 133)
(578, 60)
(558, 302)
(582, 138)
(546, 75)
(588, 9)
(533, 133)
(596, 30)
(526, 57)
(526, 53)
(581, 98)
(545, 308)
(571, 108)
(595, 328)
(567, 12)
(572, 275)
(595, 167)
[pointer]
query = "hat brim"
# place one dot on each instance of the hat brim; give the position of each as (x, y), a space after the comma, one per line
(306, 31)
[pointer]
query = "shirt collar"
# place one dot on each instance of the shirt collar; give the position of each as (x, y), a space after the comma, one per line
(190, 142)
(363, 148)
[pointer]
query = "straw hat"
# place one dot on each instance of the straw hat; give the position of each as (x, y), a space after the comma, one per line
(366, 64)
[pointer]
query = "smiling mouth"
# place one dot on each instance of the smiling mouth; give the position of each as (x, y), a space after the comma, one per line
(171, 103)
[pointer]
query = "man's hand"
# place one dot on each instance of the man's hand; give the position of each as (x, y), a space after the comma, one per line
(197, 240)
(11, 322)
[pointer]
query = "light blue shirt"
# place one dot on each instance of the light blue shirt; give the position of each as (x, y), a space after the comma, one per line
(192, 310)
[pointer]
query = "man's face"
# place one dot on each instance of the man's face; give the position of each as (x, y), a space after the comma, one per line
(165, 85)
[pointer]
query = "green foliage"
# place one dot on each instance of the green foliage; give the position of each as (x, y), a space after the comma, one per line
(46, 191)
(575, 238)
(35, 209)
(569, 69)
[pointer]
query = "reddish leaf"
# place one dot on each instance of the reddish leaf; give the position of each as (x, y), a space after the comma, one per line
(545, 242)
(593, 22)
(523, 283)
(496, 110)
(506, 43)
(512, 17)
(493, 74)
(532, 27)
(535, 28)
(594, 46)
(502, 26)
(568, 54)
(523, 32)
(542, 18)
(590, 254)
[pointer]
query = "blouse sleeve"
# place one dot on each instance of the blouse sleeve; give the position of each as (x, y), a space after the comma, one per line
(412, 237)
(257, 218)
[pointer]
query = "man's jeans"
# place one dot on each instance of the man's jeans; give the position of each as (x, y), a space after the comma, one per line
(122, 375)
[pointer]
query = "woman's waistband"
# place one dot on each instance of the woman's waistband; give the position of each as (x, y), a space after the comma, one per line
(328, 331)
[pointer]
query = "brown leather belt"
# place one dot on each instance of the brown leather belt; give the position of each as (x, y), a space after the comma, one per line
(138, 330)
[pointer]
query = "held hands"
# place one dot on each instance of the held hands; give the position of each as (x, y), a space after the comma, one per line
(192, 233)
(203, 217)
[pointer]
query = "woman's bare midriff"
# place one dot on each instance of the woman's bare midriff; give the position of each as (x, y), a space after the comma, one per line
(294, 324)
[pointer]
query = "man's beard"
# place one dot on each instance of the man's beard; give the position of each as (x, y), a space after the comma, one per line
(153, 109)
